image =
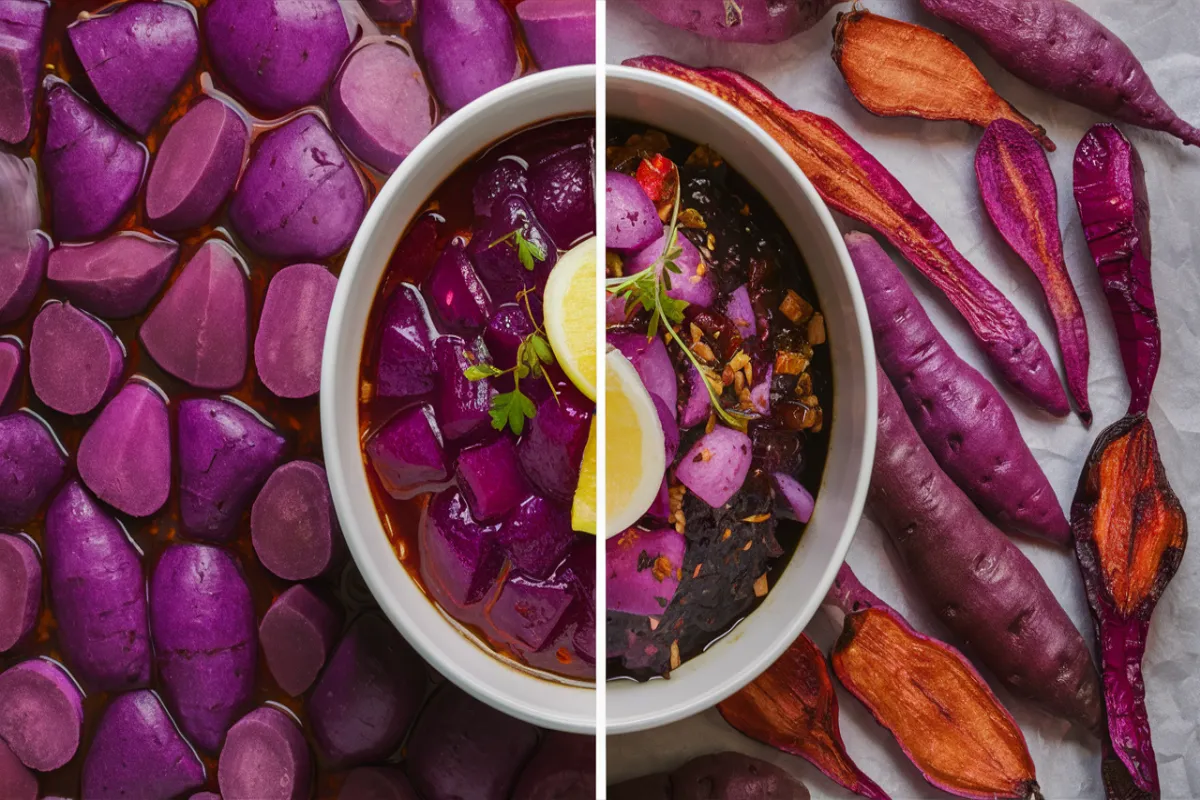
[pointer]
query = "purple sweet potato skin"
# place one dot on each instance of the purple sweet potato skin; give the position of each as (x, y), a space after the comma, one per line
(20, 590)
(389, 10)
(114, 278)
(733, 775)
(32, 464)
(981, 586)
(291, 330)
(377, 783)
(22, 26)
(21, 271)
(125, 456)
(959, 415)
(563, 768)
(560, 33)
(1056, 46)
(469, 47)
(757, 21)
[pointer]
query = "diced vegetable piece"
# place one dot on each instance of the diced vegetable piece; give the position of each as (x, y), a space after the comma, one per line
(16, 781)
(205, 639)
(800, 501)
(693, 283)
(698, 406)
(376, 783)
(530, 609)
(92, 170)
(293, 523)
(644, 570)
(740, 312)
(734, 776)
(226, 452)
(506, 177)
(379, 104)
(277, 55)
(461, 747)
(300, 198)
(297, 634)
(41, 713)
(496, 254)
(125, 456)
(291, 330)
(460, 557)
(653, 364)
(560, 33)
(196, 166)
(716, 466)
(75, 361)
(489, 476)
(407, 453)
(21, 273)
(537, 536)
(405, 365)
(368, 694)
(12, 360)
(456, 294)
(753, 21)
(389, 10)
(137, 752)
(551, 451)
(469, 48)
(20, 590)
(32, 464)
(505, 331)
(561, 194)
(22, 26)
(630, 215)
(115, 277)
(137, 57)
(666, 418)
(462, 404)
(265, 757)
(563, 768)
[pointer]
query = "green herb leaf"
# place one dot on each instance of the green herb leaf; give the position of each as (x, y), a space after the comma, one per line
(477, 372)
(541, 348)
(527, 252)
(510, 410)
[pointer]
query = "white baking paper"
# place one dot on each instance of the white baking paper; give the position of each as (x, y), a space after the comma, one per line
(934, 160)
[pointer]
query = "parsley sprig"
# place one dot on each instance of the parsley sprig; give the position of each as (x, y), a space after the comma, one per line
(527, 252)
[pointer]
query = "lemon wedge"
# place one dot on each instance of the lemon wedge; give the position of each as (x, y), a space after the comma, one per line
(583, 509)
(570, 311)
(635, 458)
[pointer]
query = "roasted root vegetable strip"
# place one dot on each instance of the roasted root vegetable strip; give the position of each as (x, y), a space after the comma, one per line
(851, 181)
(897, 69)
(793, 707)
(1021, 198)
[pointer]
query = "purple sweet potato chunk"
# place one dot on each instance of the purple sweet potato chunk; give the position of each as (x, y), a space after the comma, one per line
(265, 757)
(716, 466)
(92, 170)
(652, 362)
(496, 258)
(505, 331)
(297, 634)
(469, 48)
(463, 748)
(226, 452)
(563, 768)
(379, 104)
(561, 194)
(12, 360)
(16, 781)
(75, 361)
(41, 714)
(456, 295)
(537, 536)
(462, 404)
(560, 33)
(20, 590)
(407, 452)
(368, 695)
(460, 557)
(278, 54)
(643, 570)
(291, 330)
(799, 501)
(293, 524)
(376, 783)
(137, 57)
(733, 775)
(21, 271)
(200, 330)
(196, 166)
(405, 365)
(22, 26)
(530, 609)
(205, 639)
(489, 476)
(670, 428)
(690, 284)
(125, 456)
(300, 198)
(630, 214)
(32, 464)
(115, 277)
(552, 448)
(506, 177)
(137, 752)
(741, 313)
(389, 10)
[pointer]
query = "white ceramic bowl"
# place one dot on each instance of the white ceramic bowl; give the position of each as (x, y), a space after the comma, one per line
(539, 97)
(731, 663)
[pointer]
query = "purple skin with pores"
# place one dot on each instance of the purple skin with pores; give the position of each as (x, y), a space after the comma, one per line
(469, 46)
(32, 465)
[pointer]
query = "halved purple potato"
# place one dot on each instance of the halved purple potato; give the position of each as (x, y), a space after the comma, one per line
(115, 277)
(530, 609)
(560, 33)
(137, 752)
(495, 256)
(505, 331)
(20, 590)
(407, 452)
(379, 104)
(92, 170)
(405, 365)
(537, 536)
(205, 639)
(293, 524)
(291, 330)
(199, 331)
(631, 218)
(460, 557)
(552, 448)
(297, 634)
(21, 273)
(463, 405)
(12, 360)
(507, 176)
(41, 714)
(691, 284)
(226, 453)
(716, 465)
(22, 26)
(300, 198)
(368, 694)
(32, 464)
(376, 783)
(563, 768)
(125, 456)
(456, 295)
(469, 47)
(16, 781)
(137, 57)
(489, 476)
(389, 10)
(644, 570)
(561, 194)
(196, 166)
(650, 359)
(98, 591)
(75, 361)
(265, 757)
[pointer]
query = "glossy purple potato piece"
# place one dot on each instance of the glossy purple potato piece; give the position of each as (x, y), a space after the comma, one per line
(293, 524)
(537, 536)
(137, 57)
(716, 465)
(92, 170)
(561, 194)
(32, 464)
(405, 364)
(225, 454)
(563, 768)
(496, 258)
(650, 359)
(505, 331)
(489, 476)
(666, 418)
(20, 206)
(735, 777)
(389, 10)
(469, 48)
(113, 278)
(368, 694)
(799, 501)
(22, 26)
(407, 452)
(690, 284)
(41, 714)
(530, 609)
(125, 456)
(461, 747)
(205, 639)
(196, 166)
(506, 177)
(297, 634)
(137, 752)
(200, 329)
(376, 783)
(21, 273)
(379, 104)
(75, 361)
(643, 570)
(560, 33)
(20, 590)
(456, 295)
(16, 781)
(291, 330)
(740, 312)
(300, 198)
(265, 757)
(552, 448)
(278, 54)
(12, 360)
(460, 557)
(462, 404)
(630, 215)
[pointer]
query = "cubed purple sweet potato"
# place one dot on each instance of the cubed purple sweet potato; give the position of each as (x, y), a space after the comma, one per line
(563, 768)
(462, 404)
(560, 33)
(21, 271)
(495, 254)
(12, 363)
(460, 556)
(98, 591)
(75, 360)
(291, 330)
(405, 364)
(125, 456)
(489, 476)
(537, 536)
(277, 54)
(456, 295)
(16, 781)
(92, 170)
(196, 166)
(691, 284)
(32, 464)
(716, 465)
(200, 330)
(670, 428)
(551, 450)
(389, 10)
(643, 570)
(115, 277)
(561, 194)
(41, 713)
(507, 176)
(300, 198)
(293, 524)
(368, 695)
(205, 639)
(376, 783)
(505, 331)
(22, 26)
(297, 634)
(461, 747)
(138, 752)
(407, 452)
(137, 57)
(265, 757)
(379, 104)
(20, 590)
(630, 214)
(650, 358)
(530, 609)
(226, 452)
(469, 48)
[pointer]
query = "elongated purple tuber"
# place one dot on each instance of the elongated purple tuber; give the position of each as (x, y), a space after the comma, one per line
(32, 464)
